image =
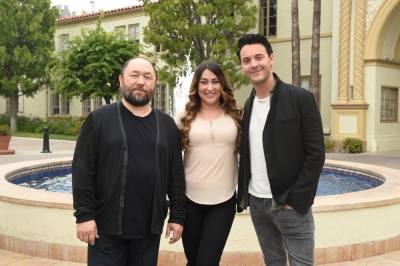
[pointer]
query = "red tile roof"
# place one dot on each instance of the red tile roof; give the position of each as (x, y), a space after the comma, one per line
(94, 15)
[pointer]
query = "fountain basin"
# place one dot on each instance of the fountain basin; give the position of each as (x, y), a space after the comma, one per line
(333, 180)
(348, 226)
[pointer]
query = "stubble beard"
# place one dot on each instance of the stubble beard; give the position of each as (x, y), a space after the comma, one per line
(136, 100)
(261, 80)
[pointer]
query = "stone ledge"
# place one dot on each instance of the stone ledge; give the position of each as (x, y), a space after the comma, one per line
(322, 255)
(5, 152)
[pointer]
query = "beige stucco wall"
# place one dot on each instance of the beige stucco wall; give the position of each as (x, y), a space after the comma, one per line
(2, 105)
(108, 24)
(38, 223)
(380, 135)
(383, 72)
(397, 53)
(282, 66)
(35, 106)
(335, 228)
(391, 37)
(305, 17)
(358, 225)
(75, 107)
(281, 45)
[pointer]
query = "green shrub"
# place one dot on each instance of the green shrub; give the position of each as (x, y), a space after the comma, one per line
(27, 124)
(63, 125)
(353, 145)
(24, 124)
(5, 130)
(4, 119)
(329, 144)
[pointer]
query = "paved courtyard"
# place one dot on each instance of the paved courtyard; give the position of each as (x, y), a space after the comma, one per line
(28, 149)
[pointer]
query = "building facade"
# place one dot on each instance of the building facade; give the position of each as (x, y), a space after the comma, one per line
(359, 64)
(129, 22)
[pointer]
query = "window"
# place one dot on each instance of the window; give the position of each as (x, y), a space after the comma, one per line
(134, 32)
(63, 42)
(86, 106)
(389, 104)
(268, 17)
(158, 48)
(55, 104)
(20, 103)
(351, 91)
(64, 105)
(161, 98)
(8, 107)
(121, 30)
(59, 104)
(97, 102)
(305, 82)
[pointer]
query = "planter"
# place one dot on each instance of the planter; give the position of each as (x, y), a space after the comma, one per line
(4, 143)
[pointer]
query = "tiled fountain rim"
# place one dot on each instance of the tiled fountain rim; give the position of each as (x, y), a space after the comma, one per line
(355, 171)
(28, 196)
(387, 193)
(33, 169)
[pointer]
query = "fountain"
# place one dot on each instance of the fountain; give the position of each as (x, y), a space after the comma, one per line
(182, 86)
(349, 223)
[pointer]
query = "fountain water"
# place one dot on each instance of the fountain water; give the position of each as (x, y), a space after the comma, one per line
(182, 87)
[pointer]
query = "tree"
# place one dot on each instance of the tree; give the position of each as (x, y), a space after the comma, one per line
(26, 48)
(92, 63)
(211, 28)
(314, 82)
(295, 45)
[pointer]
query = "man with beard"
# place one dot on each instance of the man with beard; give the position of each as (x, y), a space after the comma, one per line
(126, 162)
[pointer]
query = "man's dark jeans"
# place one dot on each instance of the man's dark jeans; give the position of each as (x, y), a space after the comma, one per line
(283, 234)
(112, 251)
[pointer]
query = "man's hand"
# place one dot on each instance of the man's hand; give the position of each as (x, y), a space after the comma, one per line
(87, 232)
(176, 230)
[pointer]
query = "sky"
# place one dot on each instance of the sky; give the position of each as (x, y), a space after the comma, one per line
(86, 5)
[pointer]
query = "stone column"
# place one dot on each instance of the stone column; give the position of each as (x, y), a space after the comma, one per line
(344, 51)
(358, 51)
(349, 111)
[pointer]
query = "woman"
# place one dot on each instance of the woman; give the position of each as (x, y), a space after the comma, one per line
(210, 130)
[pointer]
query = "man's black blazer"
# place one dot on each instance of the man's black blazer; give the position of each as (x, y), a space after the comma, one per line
(293, 147)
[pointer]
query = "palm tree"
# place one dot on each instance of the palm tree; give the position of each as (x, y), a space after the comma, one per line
(314, 82)
(295, 45)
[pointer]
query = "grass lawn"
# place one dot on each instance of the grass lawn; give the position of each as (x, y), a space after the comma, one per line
(40, 135)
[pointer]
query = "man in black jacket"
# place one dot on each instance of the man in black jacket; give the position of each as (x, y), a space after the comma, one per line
(127, 160)
(281, 158)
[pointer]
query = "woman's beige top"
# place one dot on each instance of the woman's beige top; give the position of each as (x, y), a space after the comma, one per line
(210, 161)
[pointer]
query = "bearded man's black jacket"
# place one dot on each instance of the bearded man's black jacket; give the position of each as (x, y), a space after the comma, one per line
(99, 172)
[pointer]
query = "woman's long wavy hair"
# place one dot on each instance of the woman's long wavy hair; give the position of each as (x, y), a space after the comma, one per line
(227, 102)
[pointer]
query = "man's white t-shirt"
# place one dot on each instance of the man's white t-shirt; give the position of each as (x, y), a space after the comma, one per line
(259, 183)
